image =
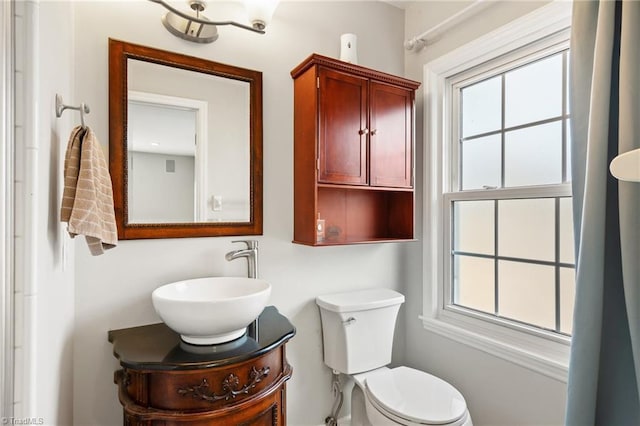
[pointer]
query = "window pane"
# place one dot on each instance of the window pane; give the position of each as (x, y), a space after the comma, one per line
(533, 155)
(474, 283)
(482, 107)
(526, 228)
(481, 162)
(567, 296)
(534, 92)
(566, 231)
(473, 229)
(527, 293)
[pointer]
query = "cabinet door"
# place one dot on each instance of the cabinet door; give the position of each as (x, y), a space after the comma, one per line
(342, 146)
(391, 138)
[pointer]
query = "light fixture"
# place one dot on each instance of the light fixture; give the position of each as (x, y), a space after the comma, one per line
(199, 29)
(260, 12)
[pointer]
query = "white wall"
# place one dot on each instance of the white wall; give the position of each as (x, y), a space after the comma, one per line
(497, 392)
(44, 292)
(113, 290)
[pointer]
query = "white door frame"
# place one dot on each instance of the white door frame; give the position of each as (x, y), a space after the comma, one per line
(202, 139)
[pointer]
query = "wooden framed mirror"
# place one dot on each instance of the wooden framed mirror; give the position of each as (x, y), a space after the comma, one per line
(185, 145)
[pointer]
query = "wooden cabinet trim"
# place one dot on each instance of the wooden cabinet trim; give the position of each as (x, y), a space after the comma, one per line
(140, 412)
(336, 64)
(179, 390)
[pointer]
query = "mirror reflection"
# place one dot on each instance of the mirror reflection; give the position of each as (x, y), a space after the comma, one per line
(185, 145)
(188, 146)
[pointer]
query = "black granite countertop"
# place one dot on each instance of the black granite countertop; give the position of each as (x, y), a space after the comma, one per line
(157, 347)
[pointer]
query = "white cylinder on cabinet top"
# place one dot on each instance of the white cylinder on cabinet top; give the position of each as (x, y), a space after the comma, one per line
(349, 48)
(358, 328)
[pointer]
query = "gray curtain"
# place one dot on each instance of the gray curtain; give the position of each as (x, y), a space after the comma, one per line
(604, 372)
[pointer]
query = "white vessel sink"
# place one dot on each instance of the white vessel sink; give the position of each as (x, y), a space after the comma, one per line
(213, 310)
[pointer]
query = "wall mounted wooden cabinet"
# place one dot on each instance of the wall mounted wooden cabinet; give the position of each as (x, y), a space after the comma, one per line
(353, 154)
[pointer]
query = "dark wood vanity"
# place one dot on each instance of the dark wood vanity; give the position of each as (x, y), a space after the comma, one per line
(164, 381)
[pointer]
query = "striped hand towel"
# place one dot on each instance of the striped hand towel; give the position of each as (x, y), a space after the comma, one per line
(87, 200)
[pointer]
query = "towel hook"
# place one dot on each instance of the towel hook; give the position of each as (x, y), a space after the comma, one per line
(60, 107)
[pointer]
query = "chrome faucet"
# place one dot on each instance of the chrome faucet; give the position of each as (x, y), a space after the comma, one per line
(251, 253)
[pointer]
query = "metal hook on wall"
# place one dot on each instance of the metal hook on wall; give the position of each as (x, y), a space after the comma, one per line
(60, 107)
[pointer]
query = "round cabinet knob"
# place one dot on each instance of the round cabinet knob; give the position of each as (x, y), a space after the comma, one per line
(363, 131)
(373, 132)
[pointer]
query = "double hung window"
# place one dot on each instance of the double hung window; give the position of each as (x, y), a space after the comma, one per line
(508, 216)
(499, 267)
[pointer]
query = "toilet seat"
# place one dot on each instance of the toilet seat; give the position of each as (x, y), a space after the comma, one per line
(410, 396)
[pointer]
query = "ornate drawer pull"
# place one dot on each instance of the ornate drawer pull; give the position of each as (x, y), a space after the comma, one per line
(230, 385)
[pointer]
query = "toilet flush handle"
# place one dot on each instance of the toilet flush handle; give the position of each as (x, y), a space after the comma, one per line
(348, 321)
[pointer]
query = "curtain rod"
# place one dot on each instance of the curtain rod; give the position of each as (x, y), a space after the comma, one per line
(420, 41)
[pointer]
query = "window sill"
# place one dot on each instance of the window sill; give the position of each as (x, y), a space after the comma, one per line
(539, 354)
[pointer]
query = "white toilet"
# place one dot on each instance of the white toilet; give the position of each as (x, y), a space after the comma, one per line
(357, 329)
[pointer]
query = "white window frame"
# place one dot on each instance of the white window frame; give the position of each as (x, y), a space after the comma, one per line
(452, 183)
(546, 353)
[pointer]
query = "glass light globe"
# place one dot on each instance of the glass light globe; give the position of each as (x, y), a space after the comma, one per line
(260, 12)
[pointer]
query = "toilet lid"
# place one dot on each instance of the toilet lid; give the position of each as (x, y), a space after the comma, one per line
(416, 396)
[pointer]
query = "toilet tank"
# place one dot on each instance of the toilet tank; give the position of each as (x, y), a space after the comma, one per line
(358, 327)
